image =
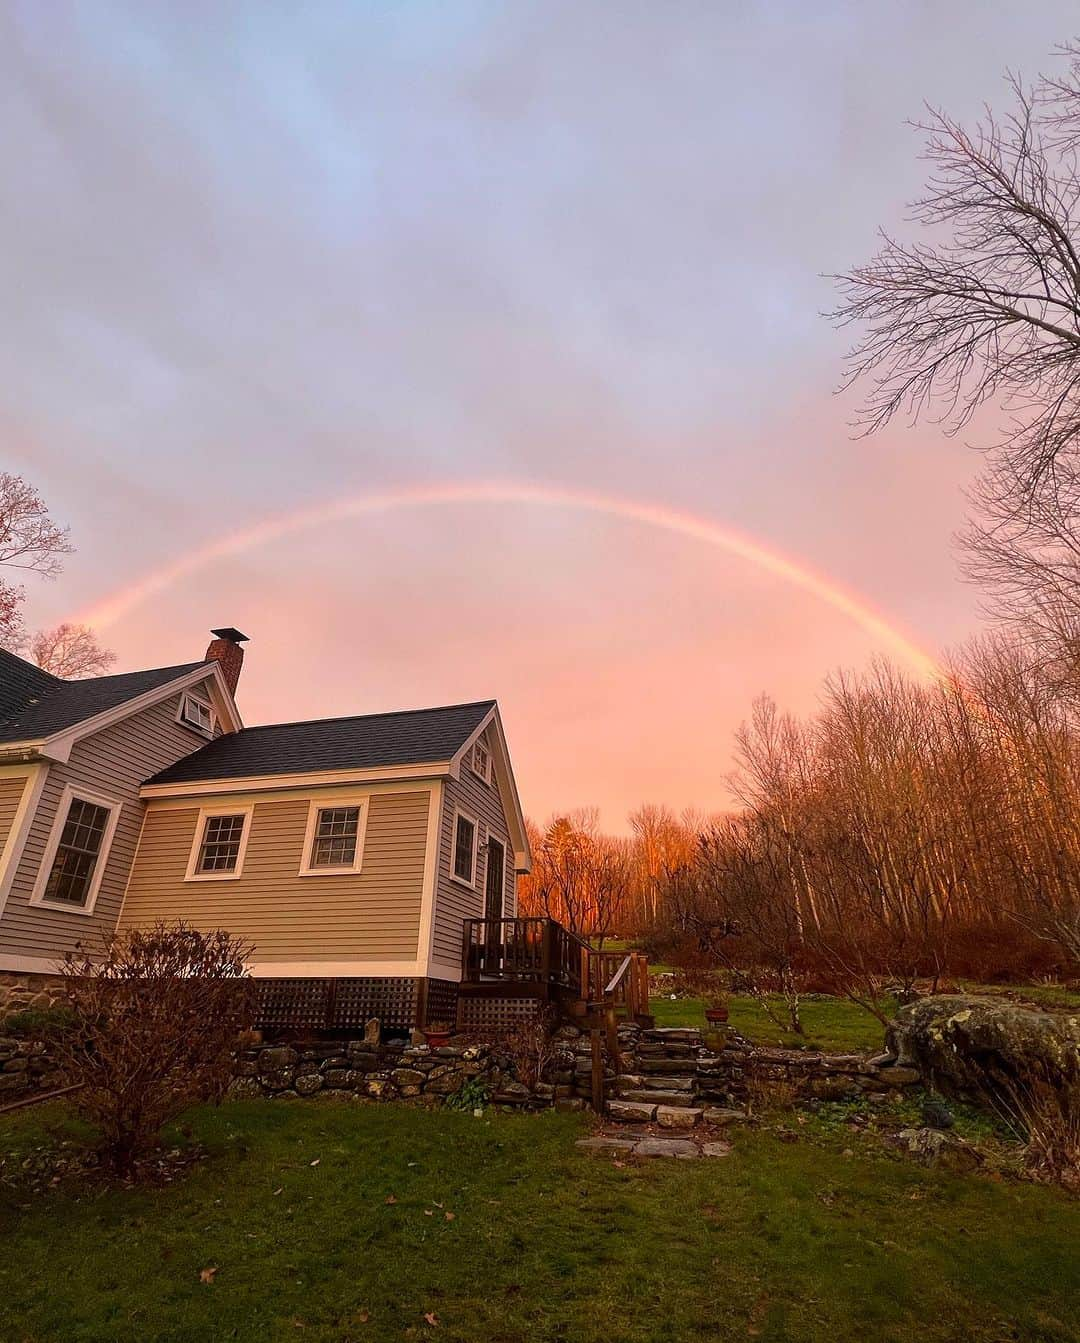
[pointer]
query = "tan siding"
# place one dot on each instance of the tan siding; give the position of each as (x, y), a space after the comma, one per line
(11, 791)
(112, 763)
(373, 914)
(454, 902)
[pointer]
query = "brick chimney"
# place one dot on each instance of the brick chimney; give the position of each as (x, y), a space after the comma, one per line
(225, 648)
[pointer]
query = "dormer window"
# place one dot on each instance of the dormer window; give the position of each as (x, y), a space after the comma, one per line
(196, 714)
(481, 761)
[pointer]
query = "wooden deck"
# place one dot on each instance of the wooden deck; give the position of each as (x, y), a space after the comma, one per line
(510, 967)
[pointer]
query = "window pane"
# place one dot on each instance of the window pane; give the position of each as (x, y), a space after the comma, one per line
(220, 850)
(77, 853)
(335, 837)
(463, 849)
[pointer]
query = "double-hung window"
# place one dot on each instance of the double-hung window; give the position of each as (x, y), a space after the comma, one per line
(77, 850)
(463, 858)
(220, 842)
(335, 838)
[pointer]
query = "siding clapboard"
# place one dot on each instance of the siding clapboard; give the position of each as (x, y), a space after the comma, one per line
(373, 914)
(454, 902)
(11, 791)
(112, 763)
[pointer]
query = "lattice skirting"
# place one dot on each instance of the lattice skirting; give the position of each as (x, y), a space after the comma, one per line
(490, 1012)
(317, 1005)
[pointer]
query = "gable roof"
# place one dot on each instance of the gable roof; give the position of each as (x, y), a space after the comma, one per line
(35, 705)
(408, 737)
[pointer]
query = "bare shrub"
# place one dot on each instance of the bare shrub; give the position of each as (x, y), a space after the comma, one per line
(1045, 1112)
(531, 1047)
(156, 1015)
(769, 1093)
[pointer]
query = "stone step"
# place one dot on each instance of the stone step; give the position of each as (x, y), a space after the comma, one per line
(673, 1034)
(677, 1116)
(666, 1082)
(651, 1065)
(675, 1098)
(631, 1112)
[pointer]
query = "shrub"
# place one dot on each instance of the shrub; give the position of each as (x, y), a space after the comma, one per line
(530, 1045)
(38, 1023)
(155, 1016)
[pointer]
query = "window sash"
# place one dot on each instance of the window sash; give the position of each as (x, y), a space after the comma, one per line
(482, 761)
(77, 853)
(465, 849)
(337, 830)
(197, 714)
(221, 840)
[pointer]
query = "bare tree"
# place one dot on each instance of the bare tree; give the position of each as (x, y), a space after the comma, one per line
(70, 651)
(30, 541)
(988, 310)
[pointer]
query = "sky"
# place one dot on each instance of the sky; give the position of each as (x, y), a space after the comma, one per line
(260, 260)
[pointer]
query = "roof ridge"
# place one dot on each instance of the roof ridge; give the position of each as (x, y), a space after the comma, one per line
(359, 717)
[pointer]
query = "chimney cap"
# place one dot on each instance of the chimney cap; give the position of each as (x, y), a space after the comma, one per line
(232, 635)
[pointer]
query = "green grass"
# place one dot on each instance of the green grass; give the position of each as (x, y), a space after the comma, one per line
(780, 1241)
(830, 1023)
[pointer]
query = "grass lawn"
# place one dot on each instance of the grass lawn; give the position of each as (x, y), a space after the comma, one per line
(330, 1222)
(830, 1023)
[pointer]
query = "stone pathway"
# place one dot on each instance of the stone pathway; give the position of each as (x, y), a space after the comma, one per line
(646, 1144)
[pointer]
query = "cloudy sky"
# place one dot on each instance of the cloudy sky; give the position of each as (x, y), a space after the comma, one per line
(260, 259)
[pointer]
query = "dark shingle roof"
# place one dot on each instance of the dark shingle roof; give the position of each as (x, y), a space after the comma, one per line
(34, 704)
(410, 737)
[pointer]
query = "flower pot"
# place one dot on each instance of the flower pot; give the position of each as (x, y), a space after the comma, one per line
(716, 1015)
(437, 1039)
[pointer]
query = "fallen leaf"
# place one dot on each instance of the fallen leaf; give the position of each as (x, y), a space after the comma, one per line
(428, 1212)
(207, 1274)
(363, 1317)
(316, 1161)
(449, 1216)
(390, 1198)
(432, 1319)
(279, 1191)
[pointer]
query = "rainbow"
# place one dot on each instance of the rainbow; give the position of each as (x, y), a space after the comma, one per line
(110, 609)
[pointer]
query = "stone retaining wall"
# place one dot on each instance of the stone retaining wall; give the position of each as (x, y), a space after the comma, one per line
(19, 992)
(733, 1075)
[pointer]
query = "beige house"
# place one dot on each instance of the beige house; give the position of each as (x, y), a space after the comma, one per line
(350, 852)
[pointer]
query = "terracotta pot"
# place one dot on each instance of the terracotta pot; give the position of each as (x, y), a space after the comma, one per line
(437, 1039)
(716, 1014)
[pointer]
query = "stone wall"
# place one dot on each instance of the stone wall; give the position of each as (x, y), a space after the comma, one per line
(414, 1072)
(395, 1072)
(21, 991)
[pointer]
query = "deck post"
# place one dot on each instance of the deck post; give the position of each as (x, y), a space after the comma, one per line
(597, 1066)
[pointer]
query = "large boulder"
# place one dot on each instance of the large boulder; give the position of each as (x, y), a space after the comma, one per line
(976, 1047)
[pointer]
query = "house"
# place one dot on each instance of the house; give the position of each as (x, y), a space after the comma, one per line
(370, 861)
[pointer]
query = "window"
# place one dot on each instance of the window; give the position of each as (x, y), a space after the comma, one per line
(334, 842)
(220, 849)
(217, 852)
(335, 837)
(196, 713)
(481, 761)
(464, 859)
(78, 847)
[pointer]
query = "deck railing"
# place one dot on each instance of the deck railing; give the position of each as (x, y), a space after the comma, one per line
(538, 951)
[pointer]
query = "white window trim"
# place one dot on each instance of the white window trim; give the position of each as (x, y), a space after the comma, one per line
(205, 813)
(72, 793)
(318, 804)
(208, 733)
(471, 883)
(485, 776)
